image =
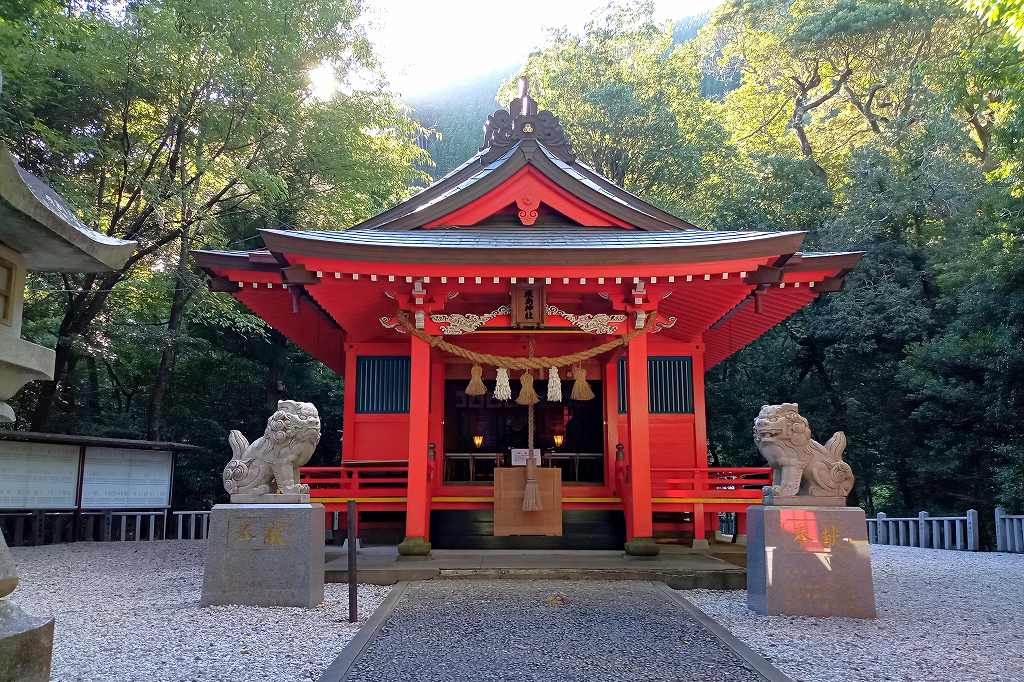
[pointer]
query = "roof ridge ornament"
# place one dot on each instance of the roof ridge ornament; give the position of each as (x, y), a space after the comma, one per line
(522, 121)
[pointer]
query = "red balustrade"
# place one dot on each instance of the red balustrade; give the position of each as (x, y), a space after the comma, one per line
(358, 481)
(745, 482)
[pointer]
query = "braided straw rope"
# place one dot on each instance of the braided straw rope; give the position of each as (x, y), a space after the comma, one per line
(523, 363)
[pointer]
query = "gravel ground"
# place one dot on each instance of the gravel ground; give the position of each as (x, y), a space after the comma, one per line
(543, 630)
(943, 615)
(128, 612)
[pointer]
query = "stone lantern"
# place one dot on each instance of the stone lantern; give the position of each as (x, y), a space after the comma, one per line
(38, 231)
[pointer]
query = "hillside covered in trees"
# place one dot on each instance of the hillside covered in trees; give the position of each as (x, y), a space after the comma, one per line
(889, 126)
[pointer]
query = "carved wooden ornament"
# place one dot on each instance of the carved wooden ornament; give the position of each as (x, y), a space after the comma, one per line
(528, 209)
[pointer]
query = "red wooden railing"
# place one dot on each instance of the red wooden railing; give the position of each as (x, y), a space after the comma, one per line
(378, 480)
(745, 482)
(356, 480)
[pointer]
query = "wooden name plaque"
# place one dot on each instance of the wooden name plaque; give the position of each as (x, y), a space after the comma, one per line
(509, 517)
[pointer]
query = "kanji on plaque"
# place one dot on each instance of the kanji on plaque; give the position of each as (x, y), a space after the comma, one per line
(830, 536)
(800, 534)
(243, 531)
(273, 533)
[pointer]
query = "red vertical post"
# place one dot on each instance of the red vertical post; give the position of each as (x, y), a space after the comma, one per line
(418, 495)
(741, 527)
(700, 420)
(700, 527)
(348, 422)
(640, 530)
(611, 419)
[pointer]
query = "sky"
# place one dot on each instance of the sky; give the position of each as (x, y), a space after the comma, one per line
(429, 45)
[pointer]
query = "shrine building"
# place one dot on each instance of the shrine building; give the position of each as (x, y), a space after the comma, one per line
(524, 261)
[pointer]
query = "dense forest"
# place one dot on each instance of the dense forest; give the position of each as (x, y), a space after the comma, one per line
(894, 127)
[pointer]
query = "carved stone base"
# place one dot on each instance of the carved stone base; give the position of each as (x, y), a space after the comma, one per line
(803, 501)
(415, 547)
(642, 547)
(26, 645)
(270, 498)
(265, 555)
(809, 561)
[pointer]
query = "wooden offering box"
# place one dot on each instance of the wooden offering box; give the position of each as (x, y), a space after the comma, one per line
(509, 517)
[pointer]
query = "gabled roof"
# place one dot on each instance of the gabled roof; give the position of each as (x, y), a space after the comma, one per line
(515, 244)
(514, 139)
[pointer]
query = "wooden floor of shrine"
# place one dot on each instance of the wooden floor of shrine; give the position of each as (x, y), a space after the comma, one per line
(719, 567)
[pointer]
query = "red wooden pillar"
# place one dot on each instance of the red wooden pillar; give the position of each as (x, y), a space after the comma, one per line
(417, 504)
(700, 527)
(640, 528)
(611, 420)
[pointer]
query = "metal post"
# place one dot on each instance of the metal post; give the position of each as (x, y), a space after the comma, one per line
(353, 584)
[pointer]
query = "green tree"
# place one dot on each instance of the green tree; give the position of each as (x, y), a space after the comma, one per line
(631, 104)
(182, 113)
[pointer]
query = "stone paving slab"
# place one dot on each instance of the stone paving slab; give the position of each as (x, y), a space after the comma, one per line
(544, 630)
(381, 565)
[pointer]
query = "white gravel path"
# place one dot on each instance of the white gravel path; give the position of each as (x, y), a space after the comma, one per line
(943, 615)
(127, 612)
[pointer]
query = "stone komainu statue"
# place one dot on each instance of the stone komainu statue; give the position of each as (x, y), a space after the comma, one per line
(802, 465)
(287, 444)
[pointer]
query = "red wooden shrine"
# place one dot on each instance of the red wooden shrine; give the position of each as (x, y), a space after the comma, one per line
(525, 213)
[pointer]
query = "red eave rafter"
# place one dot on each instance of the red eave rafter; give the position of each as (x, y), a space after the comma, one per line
(747, 324)
(528, 187)
(298, 319)
(376, 271)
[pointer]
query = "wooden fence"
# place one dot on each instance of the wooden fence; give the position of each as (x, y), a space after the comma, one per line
(923, 530)
(43, 527)
(1009, 532)
(191, 525)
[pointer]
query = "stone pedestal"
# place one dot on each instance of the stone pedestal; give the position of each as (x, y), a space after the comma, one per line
(26, 645)
(26, 641)
(265, 555)
(809, 561)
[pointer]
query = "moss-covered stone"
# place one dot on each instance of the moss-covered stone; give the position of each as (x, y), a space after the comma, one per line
(415, 546)
(642, 547)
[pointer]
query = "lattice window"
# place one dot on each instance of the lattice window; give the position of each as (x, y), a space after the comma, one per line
(669, 384)
(382, 384)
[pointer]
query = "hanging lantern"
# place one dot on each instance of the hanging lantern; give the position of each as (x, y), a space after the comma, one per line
(502, 389)
(476, 383)
(554, 385)
(527, 394)
(581, 389)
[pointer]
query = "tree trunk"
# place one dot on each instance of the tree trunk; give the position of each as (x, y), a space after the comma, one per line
(48, 393)
(92, 400)
(169, 352)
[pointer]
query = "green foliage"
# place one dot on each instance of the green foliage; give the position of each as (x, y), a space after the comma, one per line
(179, 123)
(631, 103)
(889, 126)
(1009, 14)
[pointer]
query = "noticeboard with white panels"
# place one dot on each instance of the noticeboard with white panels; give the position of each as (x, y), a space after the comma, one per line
(118, 478)
(45, 476)
(38, 475)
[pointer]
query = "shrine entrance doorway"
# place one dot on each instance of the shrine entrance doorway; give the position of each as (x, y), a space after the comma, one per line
(482, 432)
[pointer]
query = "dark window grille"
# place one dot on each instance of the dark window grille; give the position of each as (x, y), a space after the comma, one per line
(382, 384)
(669, 384)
